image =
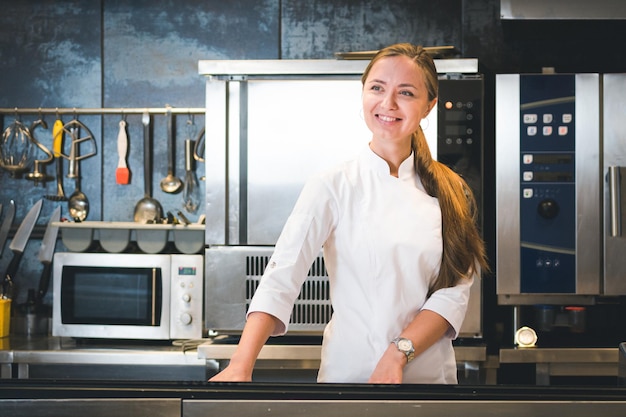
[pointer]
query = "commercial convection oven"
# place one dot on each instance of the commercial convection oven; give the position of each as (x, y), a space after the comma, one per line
(270, 124)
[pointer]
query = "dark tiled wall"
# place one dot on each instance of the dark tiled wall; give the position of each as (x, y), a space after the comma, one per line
(116, 54)
(144, 53)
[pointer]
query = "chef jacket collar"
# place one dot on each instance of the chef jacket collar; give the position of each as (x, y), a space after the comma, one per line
(405, 171)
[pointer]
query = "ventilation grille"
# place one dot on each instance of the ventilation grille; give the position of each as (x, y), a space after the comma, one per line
(312, 309)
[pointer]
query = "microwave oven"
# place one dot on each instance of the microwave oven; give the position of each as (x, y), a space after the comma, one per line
(127, 296)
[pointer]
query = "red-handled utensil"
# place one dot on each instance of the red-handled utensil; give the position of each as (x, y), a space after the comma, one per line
(122, 173)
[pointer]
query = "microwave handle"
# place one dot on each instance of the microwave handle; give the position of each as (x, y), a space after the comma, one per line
(615, 209)
(154, 299)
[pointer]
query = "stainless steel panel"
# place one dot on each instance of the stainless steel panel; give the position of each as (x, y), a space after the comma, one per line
(614, 123)
(312, 353)
(507, 180)
(588, 200)
(473, 323)
(92, 407)
(236, 165)
(234, 70)
(269, 125)
(424, 408)
(234, 272)
(562, 9)
(215, 163)
(295, 129)
(268, 137)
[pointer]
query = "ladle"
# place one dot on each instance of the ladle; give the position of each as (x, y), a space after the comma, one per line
(171, 183)
(147, 210)
(78, 204)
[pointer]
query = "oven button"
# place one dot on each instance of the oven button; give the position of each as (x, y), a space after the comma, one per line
(186, 298)
(185, 318)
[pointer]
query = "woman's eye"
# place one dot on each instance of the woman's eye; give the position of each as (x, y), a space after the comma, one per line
(406, 93)
(376, 88)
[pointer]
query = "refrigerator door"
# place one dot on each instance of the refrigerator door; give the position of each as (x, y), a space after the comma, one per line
(614, 176)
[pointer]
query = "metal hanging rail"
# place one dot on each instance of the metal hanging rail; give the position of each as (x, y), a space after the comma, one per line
(109, 110)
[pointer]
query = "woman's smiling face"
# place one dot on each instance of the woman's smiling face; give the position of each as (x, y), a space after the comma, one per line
(395, 99)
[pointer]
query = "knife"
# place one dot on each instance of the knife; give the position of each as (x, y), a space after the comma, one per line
(45, 254)
(6, 225)
(18, 243)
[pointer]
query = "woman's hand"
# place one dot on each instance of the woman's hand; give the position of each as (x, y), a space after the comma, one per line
(232, 373)
(390, 367)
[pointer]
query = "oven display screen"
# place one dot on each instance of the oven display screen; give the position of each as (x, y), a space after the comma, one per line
(456, 115)
(455, 130)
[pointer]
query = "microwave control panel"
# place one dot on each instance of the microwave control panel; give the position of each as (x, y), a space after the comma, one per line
(186, 294)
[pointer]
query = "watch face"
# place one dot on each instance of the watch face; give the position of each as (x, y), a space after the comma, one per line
(404, 344)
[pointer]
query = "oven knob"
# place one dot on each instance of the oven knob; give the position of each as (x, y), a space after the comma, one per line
(548, 208)
(185, 318)
(186, 297)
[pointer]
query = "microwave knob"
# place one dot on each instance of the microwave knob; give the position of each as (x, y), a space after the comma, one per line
(185, 318)
(186, 297)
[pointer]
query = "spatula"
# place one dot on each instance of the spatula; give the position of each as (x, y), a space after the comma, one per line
(122, 173)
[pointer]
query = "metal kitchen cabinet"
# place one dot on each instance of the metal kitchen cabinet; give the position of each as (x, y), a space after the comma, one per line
(92, 407)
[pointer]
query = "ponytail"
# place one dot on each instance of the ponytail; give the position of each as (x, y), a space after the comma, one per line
(463, 248)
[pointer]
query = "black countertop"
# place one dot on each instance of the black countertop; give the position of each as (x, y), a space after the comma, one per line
(15, 388)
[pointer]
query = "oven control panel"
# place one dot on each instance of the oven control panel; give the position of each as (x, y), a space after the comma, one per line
(460, 130)
(186, 292)
(547, 184)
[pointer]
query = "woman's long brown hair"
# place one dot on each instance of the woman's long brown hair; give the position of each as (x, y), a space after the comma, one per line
(463, 248)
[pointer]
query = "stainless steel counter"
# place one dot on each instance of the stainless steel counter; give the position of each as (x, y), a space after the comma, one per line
(25, 398)
(472, 361)
(565, 361)
(55, 357)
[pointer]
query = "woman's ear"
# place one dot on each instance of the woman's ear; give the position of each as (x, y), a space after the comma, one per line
(430, 107)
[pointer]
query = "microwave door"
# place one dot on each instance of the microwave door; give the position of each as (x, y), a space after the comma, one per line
(122, 296)
(110, 301)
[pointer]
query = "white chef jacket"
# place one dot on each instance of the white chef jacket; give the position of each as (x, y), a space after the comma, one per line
(382, 244)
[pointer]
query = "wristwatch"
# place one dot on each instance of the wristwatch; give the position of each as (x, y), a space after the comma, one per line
(405, 346)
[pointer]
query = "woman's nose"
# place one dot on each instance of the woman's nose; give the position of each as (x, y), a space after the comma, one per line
(389, 101)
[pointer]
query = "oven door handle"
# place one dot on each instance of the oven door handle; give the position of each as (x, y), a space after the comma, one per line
(615, 209)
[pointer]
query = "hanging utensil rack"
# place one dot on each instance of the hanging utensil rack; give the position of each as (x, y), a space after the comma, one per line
(102, 110)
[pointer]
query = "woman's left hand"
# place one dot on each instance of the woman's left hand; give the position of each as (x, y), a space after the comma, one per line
(389, 368)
